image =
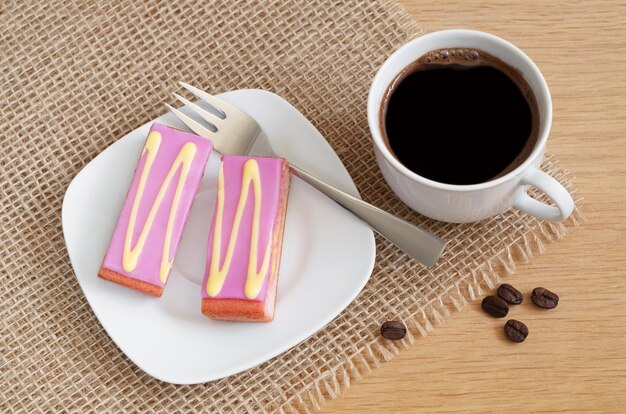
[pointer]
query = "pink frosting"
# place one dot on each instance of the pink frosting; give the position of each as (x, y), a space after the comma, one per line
(270, 170)
(149, 263)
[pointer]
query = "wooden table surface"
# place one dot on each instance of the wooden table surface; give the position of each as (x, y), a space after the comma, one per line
(575, 356)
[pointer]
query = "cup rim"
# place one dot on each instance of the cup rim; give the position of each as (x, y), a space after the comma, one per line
(373, 111)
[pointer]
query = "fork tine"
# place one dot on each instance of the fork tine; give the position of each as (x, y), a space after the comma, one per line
(216, 103)
(202, 113)
(192, 124)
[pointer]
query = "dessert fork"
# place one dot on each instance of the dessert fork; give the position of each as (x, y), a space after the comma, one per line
(232, 131)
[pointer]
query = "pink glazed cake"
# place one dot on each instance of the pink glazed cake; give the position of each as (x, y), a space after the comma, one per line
(151, 223)
(245, 241)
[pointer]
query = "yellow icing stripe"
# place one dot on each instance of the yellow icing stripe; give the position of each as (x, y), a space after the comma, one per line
(184, 158)
(217, 274)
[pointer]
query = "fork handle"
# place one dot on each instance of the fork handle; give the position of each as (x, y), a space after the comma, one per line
(414, 241)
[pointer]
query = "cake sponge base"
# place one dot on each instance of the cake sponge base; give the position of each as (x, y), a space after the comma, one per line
(239, 310)
(129, 282)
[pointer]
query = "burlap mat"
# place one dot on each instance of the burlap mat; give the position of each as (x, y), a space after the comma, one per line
(76, 76)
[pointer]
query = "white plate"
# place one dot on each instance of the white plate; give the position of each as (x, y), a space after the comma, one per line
(328, 256)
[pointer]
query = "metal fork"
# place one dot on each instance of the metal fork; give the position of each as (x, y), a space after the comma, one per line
(232, 131)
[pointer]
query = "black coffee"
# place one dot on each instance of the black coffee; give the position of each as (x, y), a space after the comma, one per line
(460, 116)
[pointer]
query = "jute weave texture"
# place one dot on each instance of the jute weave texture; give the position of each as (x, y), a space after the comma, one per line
(77, 75)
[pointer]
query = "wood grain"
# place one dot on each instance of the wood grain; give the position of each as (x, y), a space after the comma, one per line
(575, 356)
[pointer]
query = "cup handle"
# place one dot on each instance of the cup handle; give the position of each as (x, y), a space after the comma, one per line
(552, 188)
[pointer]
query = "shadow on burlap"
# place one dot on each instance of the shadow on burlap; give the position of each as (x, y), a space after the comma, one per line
(76, 76)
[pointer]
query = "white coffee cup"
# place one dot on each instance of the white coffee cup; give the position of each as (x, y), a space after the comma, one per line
(466, 203)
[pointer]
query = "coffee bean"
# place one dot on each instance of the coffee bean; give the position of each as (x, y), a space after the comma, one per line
(510, 294)
(393, 330)
(544, 298)
(516, 331)
(495, 306)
